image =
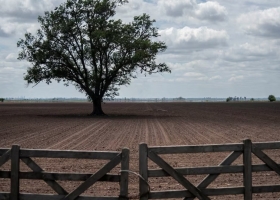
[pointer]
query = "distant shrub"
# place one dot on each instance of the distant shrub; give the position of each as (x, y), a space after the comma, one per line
(2, 99)
(252, 99)
(229, 99)
(271, 98)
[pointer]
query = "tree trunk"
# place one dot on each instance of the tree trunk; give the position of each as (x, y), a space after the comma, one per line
(97, 108)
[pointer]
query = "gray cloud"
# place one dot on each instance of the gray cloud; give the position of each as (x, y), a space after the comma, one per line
(3, 33)
(188, 38)
(211, 11)
(251, 52)
(176, 8)
(264, 23)
(26, 10)
(206, 11)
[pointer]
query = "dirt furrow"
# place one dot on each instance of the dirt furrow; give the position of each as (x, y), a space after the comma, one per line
(63, 142)
(85, 137)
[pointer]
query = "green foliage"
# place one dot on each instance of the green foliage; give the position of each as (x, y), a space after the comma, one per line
(252, 99)
(271, 98)
(2, 99)
(81, 43)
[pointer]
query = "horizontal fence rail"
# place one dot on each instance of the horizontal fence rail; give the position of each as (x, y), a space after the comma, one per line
(15, 155)
(201, 191)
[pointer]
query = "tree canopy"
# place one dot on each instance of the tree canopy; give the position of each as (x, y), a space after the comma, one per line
(81, 43)
(271, 98)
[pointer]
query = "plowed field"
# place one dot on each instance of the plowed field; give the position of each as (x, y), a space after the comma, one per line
(66, 126)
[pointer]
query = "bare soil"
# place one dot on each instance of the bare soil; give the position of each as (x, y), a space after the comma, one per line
(67, 126)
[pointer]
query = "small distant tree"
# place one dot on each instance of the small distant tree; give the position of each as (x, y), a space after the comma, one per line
(2, 99)
(252, 99)
(229, 99)
(271, 98)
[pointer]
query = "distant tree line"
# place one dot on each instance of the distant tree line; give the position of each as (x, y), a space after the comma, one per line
(271, 98)
(236, 99)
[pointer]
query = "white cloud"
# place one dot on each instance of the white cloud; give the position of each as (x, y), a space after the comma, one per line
(265, 23)
(194, 38)
(215, 77)
(19, 17)
(208, 11)
(13, 28)
(190, 76)
(251, 52)
(236, 78)
(211, 11)
(176, 8)
(193, 74)
(26, 9)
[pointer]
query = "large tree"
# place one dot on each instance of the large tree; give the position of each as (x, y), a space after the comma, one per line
(81, 43)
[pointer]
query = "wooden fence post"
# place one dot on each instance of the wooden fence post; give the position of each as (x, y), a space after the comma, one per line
(247, 174)
(124, 174)
(143, 170)
(14, 172)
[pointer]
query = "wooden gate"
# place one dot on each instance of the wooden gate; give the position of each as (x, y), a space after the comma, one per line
(16, 154)
(201, 191)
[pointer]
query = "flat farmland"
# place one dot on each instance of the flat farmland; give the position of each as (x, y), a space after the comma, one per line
(67, 126)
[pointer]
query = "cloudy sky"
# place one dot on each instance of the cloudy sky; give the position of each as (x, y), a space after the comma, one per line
(215, 48)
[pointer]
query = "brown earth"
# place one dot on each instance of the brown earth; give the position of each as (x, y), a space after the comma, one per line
(67, 126)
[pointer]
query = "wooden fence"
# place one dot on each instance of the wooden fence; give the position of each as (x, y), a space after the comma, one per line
(16, 154)
(201, 191)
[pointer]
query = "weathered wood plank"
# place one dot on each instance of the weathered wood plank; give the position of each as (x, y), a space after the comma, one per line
(59, 197)
(143, 171)
(124, 174)
(61, 176)
(266, 159)
(3, 150)
(199, 170)
(36, 168)
(208, 170)
(14, 172)
(5, 174)
(5, 157)
(247, 175)
(267, 145)
(105, 155)
(213, 192)
(151, 173)
(187, 194)
(177, 176)
(266, 188)
(4, 196)
(94, 178)
(197, 148)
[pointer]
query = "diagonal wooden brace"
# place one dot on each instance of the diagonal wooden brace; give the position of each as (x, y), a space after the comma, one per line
(5, 157)
(177, 176)
(266, 159)
(52, 183)
(211, 177)
(94, 178)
